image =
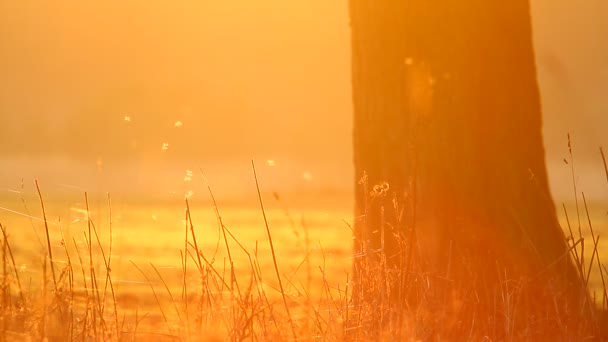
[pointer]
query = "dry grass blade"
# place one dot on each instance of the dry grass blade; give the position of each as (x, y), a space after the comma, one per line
(274, 257)
(48, 239)
(162, 280)
(16, 271)
(84, 282)
(595, 240)
(109, 269)
(233, 281)
(578, 214)
(70, 270)
(160, 306)
(189, 221)
(605, 163)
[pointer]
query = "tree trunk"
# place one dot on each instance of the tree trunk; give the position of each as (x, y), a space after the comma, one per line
(451, 183)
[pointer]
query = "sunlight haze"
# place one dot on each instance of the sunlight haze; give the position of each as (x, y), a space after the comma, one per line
(265, 79)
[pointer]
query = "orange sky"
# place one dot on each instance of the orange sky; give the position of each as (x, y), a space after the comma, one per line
(244, 77)
(264, 78)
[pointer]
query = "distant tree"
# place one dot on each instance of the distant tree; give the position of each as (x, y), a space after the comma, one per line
(451, 183)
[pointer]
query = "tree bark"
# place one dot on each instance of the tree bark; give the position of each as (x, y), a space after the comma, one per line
(451, 184)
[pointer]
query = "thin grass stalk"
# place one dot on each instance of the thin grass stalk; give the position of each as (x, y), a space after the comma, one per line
(593, 238)
(274, 257)
(44, 300)
(89, 241)
(578, 214)
(604, 285)
(233, 279)
(184, 260)
(137, 321)
(48, 239)
(205, 273)
(29, 215)
(261, 290)
(221, 277)
(96, 303)
(162, 280)
(240, 300)
(604, 162)
(185, 265)
(345, 326)
(309, 276)
(70, 281)
(189, 220)
(243, 249)
(109, 269)
(599, 266)
(99, 306)
(185, 288)
(86, 289)
(160, 307)
(328, 297)
(108, 280)
(574, 251)
(199, 264)
(5, 304)
(17, 279)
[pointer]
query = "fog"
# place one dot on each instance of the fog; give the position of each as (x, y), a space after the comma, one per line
(127, 96)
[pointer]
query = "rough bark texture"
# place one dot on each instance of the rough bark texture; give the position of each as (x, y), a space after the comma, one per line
(449, 162)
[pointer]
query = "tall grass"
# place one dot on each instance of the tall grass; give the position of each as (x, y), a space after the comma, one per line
(77, 302)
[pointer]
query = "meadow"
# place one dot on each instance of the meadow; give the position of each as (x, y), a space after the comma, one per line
(136, 269)
(142, 242)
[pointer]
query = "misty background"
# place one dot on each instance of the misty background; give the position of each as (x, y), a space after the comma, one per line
(127, 96)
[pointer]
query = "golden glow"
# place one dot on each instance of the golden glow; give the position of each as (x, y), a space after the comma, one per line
(153, 101)
(219, 80)
(241, 78)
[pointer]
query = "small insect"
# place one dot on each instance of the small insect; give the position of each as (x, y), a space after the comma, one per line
(188, 176)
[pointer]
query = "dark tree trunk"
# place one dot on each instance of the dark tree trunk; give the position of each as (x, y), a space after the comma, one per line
(451, 182)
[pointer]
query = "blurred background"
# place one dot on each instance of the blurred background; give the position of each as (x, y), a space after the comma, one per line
(136, 97)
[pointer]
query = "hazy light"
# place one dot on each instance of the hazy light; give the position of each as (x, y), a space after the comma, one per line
(307, 176)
